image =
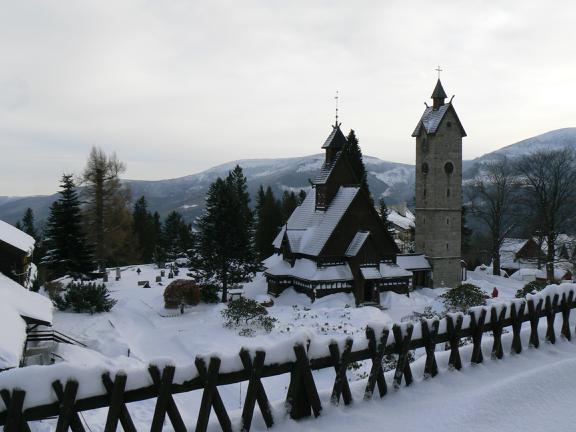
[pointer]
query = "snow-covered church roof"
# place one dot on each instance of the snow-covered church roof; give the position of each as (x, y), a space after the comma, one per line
(308, 229)
(13, 236)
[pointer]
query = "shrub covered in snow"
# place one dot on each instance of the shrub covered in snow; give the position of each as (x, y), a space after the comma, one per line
(463, 297)
(84, 297)
(181, 292)
(531, 288)
(247, 315)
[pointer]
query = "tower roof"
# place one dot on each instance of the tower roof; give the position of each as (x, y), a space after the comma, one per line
(439, 92)
(336, 139)
(432, 118)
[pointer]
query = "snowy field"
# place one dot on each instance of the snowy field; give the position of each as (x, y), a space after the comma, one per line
(491, 396)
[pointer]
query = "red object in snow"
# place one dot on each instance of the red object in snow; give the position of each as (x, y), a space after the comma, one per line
(494, 292)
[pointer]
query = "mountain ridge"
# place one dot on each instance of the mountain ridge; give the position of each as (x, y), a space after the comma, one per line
(393, 180)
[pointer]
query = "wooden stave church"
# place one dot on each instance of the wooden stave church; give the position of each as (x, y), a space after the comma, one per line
(335, 241)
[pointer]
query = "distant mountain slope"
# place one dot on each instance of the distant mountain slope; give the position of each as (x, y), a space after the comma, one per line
(186, 194)
(553, 140)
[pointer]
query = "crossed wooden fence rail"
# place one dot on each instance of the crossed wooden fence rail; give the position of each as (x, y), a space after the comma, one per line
(302, 396)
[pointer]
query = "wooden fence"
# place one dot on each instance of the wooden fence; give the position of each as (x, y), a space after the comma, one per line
(302, 397)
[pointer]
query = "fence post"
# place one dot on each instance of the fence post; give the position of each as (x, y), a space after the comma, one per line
(14, 411)
(550, 308)
(534, 317)
(566, 308)
(255, 390)
(477, 326)
(453, 331)
(302, 395)
(211, 397)
(117, 410)
(341, 386)
(429, 336)
(497, 321)
(377, 349)
(68, 416)
(402, 345)
(516, 315)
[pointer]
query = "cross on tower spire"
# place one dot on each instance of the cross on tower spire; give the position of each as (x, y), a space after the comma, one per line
(438, 70)
(336, 99)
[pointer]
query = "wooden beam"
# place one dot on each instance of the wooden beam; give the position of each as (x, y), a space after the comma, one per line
(377, 348)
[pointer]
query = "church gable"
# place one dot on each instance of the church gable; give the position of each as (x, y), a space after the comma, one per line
(360, 216)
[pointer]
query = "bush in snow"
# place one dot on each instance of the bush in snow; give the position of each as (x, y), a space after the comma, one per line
(531, 288)
(209, 293)
(248, 315)
(463, 297)
(181, 292)
(84, 297)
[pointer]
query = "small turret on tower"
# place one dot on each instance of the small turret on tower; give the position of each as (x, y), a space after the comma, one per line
(438, 95)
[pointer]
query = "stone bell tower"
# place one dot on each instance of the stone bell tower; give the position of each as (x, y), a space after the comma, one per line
(439, 136)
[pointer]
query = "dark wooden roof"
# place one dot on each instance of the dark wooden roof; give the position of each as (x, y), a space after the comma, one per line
(439, 92)
(336, 140)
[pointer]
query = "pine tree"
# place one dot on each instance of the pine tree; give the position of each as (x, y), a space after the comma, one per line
(176, 236)
(269, 219)
(67, 250)
(224, 254)
(384, 213)
(107, 216)
(301, 196)
(289, 203)
(29, 225)
(354, 153)
(144, 229)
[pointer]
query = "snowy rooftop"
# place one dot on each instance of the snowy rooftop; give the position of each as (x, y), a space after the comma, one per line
(357, 243)
(413, 262)
(12, 338)
(393, 271)
(306, 269)
(432, 118)
(326, 170)
(13, 236)
(309, 229)
(403, 221)
(27, 304)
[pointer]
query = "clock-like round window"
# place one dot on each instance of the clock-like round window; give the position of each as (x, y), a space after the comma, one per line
(448, 168)
(425, 168)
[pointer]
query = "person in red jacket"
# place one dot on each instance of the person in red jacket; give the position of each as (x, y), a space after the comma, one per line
(495, 292)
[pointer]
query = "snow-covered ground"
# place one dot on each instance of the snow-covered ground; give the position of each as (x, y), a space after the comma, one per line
(492, 396)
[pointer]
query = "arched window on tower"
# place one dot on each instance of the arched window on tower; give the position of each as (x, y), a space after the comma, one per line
(448, 168)
(425, 168)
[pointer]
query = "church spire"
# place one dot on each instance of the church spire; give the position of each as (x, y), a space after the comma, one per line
(438, 95)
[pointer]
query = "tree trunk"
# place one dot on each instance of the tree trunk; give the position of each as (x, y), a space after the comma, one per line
(99, 225)
(224, 286)
(550, 259)
(496, 263)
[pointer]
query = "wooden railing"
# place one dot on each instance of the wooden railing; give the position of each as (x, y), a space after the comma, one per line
(67, 398)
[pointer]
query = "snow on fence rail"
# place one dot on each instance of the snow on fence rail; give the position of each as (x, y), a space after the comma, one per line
(62, 390)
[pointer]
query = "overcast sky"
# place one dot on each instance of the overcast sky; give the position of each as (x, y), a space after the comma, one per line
(177, 86)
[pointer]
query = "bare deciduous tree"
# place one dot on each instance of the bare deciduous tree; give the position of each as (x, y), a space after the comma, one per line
(549, 192)
(493, 201)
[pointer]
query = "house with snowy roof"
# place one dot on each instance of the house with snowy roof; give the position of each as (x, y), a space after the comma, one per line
(403, 224)
(16, 249)
(21, 310)
(335, 240)
(520, 253)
